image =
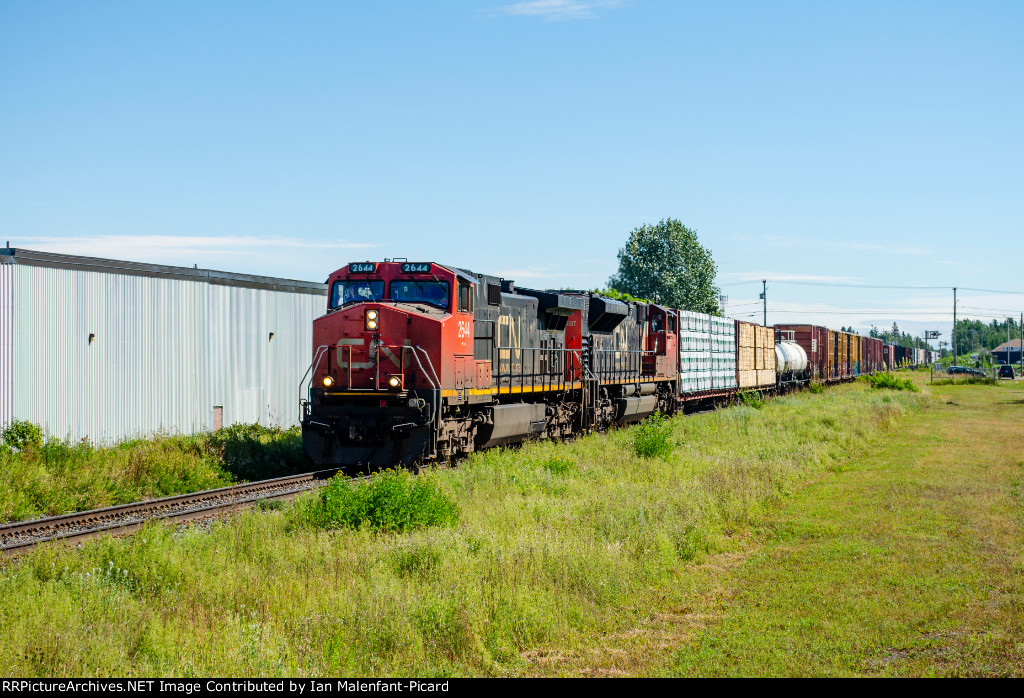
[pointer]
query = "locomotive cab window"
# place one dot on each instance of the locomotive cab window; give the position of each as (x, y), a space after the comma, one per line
(465, 297)
(435, 293)
(353, 291)
(672, 323)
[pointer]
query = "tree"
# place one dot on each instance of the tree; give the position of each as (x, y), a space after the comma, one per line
(667, 264)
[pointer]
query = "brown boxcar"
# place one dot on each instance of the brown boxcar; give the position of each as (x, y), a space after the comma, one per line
(877, 357)
(831, 356)
(844, 355)
(814, 341)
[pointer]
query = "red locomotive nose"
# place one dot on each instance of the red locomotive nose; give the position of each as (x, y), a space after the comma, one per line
(365, 347)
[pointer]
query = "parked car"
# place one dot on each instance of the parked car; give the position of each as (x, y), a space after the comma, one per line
(1006, 371)
(953, 370)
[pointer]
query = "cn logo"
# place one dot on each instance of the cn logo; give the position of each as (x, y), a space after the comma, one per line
(464, 329)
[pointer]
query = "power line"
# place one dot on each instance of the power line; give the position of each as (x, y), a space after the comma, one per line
(995, 310)
(882, 286)
(989, 290)
(841, 285)
(883, 312)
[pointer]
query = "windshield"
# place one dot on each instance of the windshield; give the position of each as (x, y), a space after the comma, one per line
(351, 291)
(432, 292)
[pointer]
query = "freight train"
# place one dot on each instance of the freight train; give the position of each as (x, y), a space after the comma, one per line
(418, 361)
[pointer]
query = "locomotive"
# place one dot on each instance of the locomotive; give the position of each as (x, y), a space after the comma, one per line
(418, 361)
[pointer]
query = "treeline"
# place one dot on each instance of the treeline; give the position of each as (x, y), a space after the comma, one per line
(975, 335)
(898, 337)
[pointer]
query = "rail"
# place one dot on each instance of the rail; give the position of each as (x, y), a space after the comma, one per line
(19, 537)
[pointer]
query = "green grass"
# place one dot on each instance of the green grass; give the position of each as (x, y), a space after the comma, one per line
(561, 556)
(42, 477)
(908, 563)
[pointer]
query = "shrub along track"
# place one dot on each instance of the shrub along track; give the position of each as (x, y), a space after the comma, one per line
(18, 538)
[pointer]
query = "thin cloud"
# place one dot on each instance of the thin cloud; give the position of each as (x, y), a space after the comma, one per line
(535, 273)
(151, 247)
(803, 243)
(559, 10)
(776, 276)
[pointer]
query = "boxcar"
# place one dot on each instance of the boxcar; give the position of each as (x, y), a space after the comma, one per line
(814, 341)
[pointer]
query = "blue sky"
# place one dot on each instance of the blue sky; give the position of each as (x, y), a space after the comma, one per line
(859, 143)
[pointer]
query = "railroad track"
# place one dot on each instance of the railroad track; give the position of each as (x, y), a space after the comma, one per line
(70, 529)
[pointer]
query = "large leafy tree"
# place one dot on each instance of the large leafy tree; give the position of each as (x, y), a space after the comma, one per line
(667, 264)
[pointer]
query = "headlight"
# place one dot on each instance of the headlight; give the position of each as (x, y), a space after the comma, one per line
(395, 382)
(371, 324)
(371, 314)
(371, 319)
(328, 381)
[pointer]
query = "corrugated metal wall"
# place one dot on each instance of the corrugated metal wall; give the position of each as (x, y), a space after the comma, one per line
(7, 272)
(107, 356)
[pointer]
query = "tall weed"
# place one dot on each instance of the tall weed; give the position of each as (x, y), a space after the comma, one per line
(652, 438)
(394, 501)
(888, 381)
(965, 380)
(752, 398)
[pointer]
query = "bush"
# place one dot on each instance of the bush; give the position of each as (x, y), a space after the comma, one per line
(255, 452)
(652, 437)
(393, 501)
(890, 382)
(816, 387)
(753, 399)
(22, 436)
(558, 466)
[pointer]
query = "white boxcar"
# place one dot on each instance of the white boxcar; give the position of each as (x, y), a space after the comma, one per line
(105, 350)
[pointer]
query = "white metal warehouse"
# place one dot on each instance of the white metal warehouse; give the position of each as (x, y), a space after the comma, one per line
(105, 350)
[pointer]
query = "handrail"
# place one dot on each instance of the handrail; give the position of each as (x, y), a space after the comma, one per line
(309, 372)
(436, 416)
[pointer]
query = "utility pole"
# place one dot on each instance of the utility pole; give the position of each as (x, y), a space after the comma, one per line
(764, 297)
(955, 356)
(1021, 345)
